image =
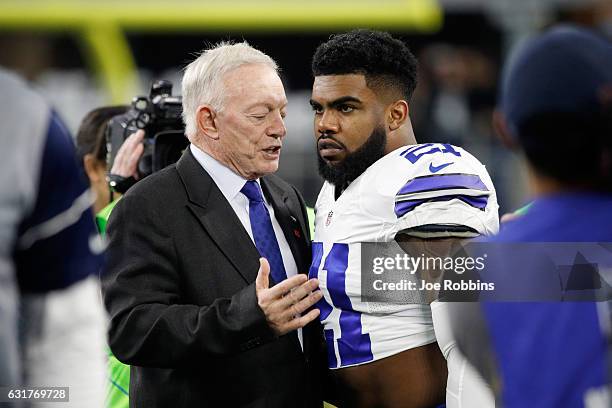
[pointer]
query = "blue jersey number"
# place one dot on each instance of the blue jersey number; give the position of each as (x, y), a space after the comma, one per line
(354, 346)
(413, 154)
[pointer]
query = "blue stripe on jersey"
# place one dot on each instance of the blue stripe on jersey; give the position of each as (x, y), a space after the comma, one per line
(57, 261)
(354, 346)
(404, 207)
(317, 254)
(324, 308)
(443, 182)
(331, 350)
(414, 153)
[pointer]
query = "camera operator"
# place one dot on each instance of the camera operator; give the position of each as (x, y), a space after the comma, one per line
(92, 149)
(128, 155)
(156, 140)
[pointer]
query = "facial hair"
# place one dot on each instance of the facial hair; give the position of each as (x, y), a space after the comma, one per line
(355, 163)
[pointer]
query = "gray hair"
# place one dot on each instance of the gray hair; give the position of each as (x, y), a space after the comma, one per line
(203, 78)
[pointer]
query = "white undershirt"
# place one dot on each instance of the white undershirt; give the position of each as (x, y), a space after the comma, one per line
(230, 185)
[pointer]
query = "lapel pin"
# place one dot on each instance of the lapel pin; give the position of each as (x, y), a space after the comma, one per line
(297, 233)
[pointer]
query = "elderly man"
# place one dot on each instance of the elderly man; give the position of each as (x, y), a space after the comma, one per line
(205, 283)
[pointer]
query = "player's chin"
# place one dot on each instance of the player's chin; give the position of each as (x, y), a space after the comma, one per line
(332, 159)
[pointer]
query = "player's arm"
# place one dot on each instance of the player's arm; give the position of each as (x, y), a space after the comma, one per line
(437, 212)
(56, 242)
(447, 193)
(443, 246)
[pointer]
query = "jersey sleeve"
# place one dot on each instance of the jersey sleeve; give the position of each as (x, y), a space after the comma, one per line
(448, 193)
(56, 242)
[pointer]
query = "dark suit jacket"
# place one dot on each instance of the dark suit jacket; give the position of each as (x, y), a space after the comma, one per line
(179, 287)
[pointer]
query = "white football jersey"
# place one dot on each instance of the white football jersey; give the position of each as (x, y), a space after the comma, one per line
(420, 185)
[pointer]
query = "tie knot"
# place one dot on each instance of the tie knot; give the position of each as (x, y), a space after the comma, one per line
(251, 191)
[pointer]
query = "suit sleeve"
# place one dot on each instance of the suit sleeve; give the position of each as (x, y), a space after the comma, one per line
(149, 326)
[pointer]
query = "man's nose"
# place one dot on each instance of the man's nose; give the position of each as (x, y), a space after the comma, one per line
(327, 123)
(277, 127)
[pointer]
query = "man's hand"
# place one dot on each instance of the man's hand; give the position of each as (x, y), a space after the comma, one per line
(126, 161)
(283, 303)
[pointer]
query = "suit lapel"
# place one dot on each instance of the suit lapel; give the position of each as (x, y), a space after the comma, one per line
(294, 234)
(217, 217)
(289, 223)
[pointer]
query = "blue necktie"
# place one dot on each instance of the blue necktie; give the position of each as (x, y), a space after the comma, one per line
(263, 233)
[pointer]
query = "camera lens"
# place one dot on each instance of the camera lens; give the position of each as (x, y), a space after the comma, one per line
(141, 104)
(143, 120)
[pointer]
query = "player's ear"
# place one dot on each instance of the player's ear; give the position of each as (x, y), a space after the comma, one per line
(205, 119)
(500, 125)
(397, 114)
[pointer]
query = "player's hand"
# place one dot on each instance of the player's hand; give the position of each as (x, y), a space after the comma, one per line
(284, 303)
(126, 160)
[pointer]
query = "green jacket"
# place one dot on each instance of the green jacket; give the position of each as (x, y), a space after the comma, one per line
(117, 389)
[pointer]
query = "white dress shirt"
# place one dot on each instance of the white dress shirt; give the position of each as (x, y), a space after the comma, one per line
(230, 185)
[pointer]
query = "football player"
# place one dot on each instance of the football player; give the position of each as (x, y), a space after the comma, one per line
(380, 186)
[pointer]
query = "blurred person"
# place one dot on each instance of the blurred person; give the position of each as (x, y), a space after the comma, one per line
(380, 186)
(455, 107)
(205, 284)
(456, 95)
(553, 354)
(91, 146)
(51, 317)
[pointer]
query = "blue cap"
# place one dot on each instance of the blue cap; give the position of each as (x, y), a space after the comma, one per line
(567, 69)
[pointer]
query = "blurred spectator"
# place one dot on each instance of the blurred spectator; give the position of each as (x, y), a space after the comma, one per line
(454, 103)
(91, 144)
(553, 354)
(51, 319)
(459, 84)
